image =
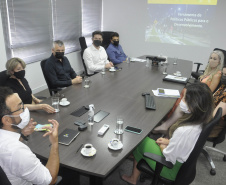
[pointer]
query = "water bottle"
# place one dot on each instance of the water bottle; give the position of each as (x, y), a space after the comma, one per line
(128, 60)
(147, 62)
(91, 114)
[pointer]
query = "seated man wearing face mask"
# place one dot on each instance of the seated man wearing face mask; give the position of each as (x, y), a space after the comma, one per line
(20, 165)
(58, 69)
(95, 56)
(114, 50)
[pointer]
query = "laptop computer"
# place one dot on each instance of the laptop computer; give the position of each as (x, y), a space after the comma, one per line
(67, 136)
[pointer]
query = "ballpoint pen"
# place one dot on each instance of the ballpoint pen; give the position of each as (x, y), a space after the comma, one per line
(79, 148)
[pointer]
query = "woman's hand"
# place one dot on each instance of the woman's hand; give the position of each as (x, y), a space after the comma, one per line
(162, 141)
(36, 100)
(47, 108)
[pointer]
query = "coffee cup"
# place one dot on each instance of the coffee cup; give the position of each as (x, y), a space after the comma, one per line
(88, 148)
(114, 143)
(64, 101)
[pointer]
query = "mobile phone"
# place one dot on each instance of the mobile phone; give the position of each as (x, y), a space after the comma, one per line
(133, 129)
(100, 115)
(40, 127)
(79, 123)
(161, 91)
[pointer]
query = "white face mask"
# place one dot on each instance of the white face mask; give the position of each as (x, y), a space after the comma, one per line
(184, 107)
(25, 118)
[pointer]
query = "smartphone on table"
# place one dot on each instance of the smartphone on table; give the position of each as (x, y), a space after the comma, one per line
(133, 129)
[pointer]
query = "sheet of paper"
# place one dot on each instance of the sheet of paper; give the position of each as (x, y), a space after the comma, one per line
(170, 93)
(137, 59)
(179, 78)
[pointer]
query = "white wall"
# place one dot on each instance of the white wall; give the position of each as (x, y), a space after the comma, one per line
(129, 18)
(33, 71)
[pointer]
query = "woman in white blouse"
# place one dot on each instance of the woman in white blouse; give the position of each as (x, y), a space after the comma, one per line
(196, 109)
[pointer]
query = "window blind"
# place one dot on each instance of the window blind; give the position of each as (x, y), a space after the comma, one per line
(66, 18)
(27, 28)
(91, 18)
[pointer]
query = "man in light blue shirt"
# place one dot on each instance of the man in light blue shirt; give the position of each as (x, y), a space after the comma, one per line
(115, 53)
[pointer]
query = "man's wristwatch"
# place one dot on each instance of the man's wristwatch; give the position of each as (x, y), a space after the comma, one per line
(24, 137)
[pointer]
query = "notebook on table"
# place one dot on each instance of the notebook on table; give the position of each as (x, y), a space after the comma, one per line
(67, 136)
(177, 79)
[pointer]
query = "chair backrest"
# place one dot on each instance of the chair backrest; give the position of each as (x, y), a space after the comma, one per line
(221, 136)
(3, 77)
(187, 171)
(3, 178)
(106, 38)
(83, 45)
(43, 62)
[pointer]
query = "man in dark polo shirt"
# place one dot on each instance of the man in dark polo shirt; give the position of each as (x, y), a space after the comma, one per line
(58, 69)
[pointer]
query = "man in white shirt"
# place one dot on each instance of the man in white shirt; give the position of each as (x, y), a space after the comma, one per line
(95, 56)
(21, 166)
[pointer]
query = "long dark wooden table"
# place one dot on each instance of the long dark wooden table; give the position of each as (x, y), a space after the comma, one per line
(119, 93)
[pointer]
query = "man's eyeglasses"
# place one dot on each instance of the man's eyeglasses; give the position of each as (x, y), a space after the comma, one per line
(21, 108)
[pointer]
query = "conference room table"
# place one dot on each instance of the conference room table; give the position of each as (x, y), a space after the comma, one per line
(120, 94)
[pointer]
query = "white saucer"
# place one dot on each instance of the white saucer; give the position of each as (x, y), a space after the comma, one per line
(92, 153)
(112, 70)
(120, 145)
(65, 103)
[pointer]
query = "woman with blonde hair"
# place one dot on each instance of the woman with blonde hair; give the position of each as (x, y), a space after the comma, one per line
(18, 83)
(212, 73)
(211, 77)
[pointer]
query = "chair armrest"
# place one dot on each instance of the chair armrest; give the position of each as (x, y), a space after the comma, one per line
(159, 159)
(198, 66)
(198, 63)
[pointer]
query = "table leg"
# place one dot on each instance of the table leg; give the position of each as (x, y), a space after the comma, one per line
(93, 180)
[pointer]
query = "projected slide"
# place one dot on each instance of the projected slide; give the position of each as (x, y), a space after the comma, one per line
(182, 22)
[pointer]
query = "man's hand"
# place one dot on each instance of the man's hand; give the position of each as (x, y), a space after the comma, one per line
(47, 108)
(77, 80)
(53, 132)
(162, 141)
(29, 129)
(109, 65)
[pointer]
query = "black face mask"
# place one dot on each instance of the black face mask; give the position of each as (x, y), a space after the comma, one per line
(19, 74)
(116, 43)
(59, 55)
(223, 80)
(97, 43)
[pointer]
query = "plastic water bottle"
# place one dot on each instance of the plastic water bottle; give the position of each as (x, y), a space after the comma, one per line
(91, 114)
(128, 60)
(147, 62)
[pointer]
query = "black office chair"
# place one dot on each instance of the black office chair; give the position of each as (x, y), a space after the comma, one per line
(3, 77)
(215, 140)
(3, 178)
(83, 46)
(5, 181)
(51, 90)
(196, 74)
(187, 171)
(106, 38)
